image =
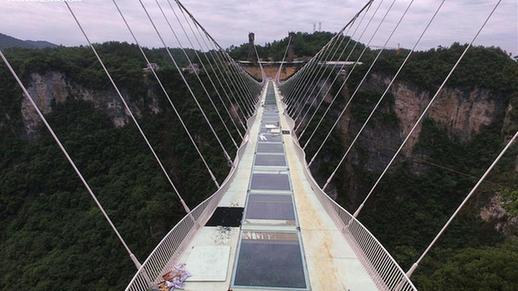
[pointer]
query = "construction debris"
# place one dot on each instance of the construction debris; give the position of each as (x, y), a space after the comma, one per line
(174, 279)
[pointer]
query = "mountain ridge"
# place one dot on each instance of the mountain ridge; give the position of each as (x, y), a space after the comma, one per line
(7, 41)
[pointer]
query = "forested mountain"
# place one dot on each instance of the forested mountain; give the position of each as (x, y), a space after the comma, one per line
(468, 125)
(52, 237)
(304, 45)
(7, 41)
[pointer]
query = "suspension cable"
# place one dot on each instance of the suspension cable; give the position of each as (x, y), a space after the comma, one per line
(212, 68)
(307, 75)
(218, 94)
(241, 74)
(70, 161)
(234, 67)
(277, 76)
(235, 80)
(126, 105)
(349, 74)
(223, 72)
(238, 83)
(187, 84)
(300, 81)
(443, 229)
(162, 87)
(291, 96)
(180, 45)
(331, 72)
(231, 84)
(425, 110)
(362, 81)
(322, 72)
(316, 75)
(322, 69)
(263, 75)
(385, 92)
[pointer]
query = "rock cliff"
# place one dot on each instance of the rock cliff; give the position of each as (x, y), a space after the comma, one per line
(54, 88)
(461, 112)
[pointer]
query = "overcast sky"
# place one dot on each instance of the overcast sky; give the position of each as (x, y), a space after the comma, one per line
(230, 20)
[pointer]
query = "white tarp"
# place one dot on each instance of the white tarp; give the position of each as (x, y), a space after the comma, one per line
(208, 263)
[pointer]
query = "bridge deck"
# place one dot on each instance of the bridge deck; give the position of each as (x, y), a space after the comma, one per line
(277, 246)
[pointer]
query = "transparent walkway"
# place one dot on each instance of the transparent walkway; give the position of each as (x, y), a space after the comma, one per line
(270, 231)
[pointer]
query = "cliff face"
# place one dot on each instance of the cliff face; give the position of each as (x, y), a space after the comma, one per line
(494, 212)
(271, 71)
(461, 113)
(53, 88)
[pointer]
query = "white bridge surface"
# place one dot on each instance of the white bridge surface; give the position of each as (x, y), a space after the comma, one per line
(291, 236)
(331, 262)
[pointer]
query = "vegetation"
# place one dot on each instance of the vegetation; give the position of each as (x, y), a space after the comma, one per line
(52, 235)
(510, 201)
(425, 186)
(304, 45)
(487, 268)
(483, 67)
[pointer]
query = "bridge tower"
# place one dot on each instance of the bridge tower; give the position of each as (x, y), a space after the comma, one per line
(251, 50)
(291, 50)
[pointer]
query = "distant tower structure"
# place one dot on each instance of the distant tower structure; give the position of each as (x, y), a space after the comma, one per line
(291, 50)
(314, 27)
(251, 48)
(320, 26)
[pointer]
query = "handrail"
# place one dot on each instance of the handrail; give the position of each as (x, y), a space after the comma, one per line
(380, 265)
(174, 242)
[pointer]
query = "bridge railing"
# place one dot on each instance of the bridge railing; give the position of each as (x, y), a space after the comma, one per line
(177, 239)
(381, 266)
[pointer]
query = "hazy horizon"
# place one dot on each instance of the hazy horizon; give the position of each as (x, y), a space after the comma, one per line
(230, 21)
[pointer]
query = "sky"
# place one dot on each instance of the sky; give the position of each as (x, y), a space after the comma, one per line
(230, 21)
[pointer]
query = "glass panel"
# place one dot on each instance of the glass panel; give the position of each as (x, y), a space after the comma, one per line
(271, 120)
(270, 260)
(270, 160)
(270, 148)
(265, 137)
(267, 206)
(262, 181)
(270, 124)
(270, 130)
(226, 216)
